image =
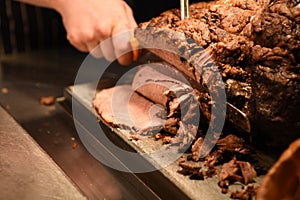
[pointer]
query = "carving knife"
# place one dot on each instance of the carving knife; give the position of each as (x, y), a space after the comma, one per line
(184, 9)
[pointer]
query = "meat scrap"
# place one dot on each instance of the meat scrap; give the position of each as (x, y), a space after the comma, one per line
(47, 100)
(188, 169)
(230, 172)
(231, 143)
(134, 137)
(248, 172)
(196, 149)
(171, 125)
(158, 136)
(246, 193)
(236, 170)
(4, 90)
(227, 148)
(196, 172)
(199, 149)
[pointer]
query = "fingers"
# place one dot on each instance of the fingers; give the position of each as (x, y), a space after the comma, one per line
(132, 23)
(97, 52)
(108, 38)
(107, 49)
(121, 40)
(78, 44)
(94, 49)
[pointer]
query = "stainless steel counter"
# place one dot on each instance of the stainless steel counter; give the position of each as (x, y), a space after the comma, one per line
(26, 171)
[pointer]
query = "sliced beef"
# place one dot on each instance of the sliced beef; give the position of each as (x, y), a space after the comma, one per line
(121, 107)
(165, 86)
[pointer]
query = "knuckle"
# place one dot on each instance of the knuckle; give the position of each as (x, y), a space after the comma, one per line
(80, 36)
(102, 30)
(72, 38)
(88, 36)
(76, 42)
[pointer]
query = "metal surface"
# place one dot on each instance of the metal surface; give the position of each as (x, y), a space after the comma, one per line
(184, 9)
(238, 118)
(26, 171)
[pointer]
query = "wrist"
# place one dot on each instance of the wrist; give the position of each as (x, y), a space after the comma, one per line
(60, 5)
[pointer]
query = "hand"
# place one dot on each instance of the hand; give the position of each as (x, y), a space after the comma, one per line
(90, 22)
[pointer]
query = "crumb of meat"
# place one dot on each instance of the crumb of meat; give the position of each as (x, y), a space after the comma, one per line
(4, 90)
(196, 148)
(182, 160)
(158, 136)
(199, 149)
(134, 137)
(196, 172)
(171, 125)
(167, 140)
(188, 169)
(74, 145)
(246, 193)
(47, 100)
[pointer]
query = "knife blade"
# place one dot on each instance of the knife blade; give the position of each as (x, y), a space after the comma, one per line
(184, 9)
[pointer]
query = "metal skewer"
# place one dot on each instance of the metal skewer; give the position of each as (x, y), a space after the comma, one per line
(184, 9)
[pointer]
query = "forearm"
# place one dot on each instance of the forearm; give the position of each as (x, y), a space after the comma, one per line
(53, 4)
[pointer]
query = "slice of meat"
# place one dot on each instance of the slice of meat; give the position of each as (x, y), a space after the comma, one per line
(120, 106)
(155, 79)
(167, 87)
